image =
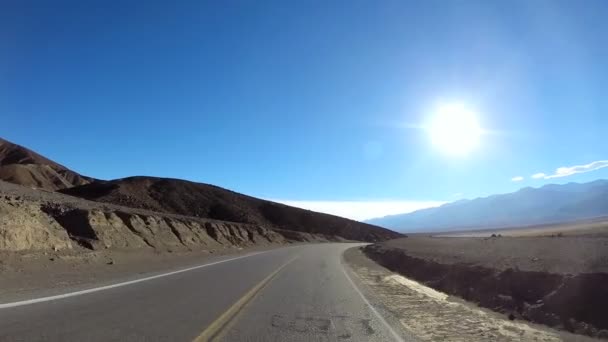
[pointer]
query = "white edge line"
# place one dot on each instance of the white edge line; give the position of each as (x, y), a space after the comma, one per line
(388, 326)
(107, 287)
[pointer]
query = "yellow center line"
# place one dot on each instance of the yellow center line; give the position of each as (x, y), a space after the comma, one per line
(216, 327)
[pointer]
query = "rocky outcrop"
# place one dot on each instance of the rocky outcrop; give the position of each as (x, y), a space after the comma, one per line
(180, 197)
(33, 226)
(24, 226)
(36, 220)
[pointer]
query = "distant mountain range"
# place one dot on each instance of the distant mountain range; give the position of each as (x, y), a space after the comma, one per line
(551, 203)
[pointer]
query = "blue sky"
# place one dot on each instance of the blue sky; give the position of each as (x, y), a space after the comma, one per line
(319, 103)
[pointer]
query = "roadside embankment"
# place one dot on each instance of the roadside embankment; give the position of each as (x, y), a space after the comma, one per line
(39, 221)
(51, 241)
(41, 227)
(559, 282)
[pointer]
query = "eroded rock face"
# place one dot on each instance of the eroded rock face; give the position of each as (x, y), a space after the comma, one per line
(97, 229)
(180, 197)
(239, 234)
(111, 231)
(28, 225)
(24, 226)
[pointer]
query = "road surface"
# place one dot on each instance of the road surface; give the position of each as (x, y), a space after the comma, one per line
(300, 293)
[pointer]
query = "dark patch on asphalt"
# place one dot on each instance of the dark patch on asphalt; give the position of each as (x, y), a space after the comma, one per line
(366, 323)
(341, 326)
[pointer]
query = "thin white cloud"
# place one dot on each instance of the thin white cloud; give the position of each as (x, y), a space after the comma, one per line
(571, 170)
(362, 210)
(565, 171)
(517, 179)
(539, 175)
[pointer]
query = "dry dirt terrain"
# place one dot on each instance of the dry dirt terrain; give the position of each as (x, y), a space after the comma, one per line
(597, 227)
(431, 315)
(556, 281)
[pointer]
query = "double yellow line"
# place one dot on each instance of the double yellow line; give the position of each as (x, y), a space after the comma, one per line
(220, 325)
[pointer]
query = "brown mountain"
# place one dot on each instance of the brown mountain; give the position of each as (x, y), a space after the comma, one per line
(181, 197)
(22, 166)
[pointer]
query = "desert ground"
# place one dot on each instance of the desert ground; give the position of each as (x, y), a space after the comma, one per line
(597, 227)
(432, 315)
(554, 275)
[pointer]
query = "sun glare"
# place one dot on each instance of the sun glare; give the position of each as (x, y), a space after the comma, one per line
(454, 129)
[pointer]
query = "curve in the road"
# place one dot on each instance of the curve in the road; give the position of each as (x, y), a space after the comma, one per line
(299, 294)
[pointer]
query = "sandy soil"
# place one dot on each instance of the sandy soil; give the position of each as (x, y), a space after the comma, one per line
(565, 255)
(557, 281)
(431, 315)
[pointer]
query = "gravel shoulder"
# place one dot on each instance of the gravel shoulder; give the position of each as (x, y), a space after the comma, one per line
(431, 315)
(556, 281)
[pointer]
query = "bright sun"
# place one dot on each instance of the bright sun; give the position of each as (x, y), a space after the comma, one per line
(454, 129)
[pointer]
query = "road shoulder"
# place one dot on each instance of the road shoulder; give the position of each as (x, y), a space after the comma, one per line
(431, 315)
(25, 276)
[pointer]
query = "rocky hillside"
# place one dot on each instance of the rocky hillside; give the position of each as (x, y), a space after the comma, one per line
(22, 166)
(145, 212)
(173, 196)
(32, 220)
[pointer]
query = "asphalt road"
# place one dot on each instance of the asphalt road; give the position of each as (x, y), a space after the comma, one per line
(301, 293)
